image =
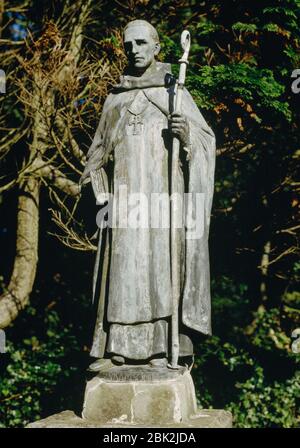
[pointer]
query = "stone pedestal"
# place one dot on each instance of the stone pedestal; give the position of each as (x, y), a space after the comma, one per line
(132, 397)
(140, 396)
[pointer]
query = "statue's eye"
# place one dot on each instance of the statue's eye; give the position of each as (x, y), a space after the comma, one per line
(141, 42)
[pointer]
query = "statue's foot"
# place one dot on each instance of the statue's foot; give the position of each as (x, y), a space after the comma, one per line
(118, 360)
(100, 364)
(158, 362)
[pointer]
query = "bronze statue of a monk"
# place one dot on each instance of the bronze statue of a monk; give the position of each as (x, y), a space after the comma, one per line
(132, 149)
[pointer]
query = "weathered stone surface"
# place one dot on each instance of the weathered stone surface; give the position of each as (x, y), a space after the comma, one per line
(140, 402)
(205, 418)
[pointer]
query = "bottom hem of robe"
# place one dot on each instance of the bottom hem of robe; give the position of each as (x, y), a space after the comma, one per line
(143, 341)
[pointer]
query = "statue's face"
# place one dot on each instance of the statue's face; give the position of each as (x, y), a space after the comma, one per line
(140, 47)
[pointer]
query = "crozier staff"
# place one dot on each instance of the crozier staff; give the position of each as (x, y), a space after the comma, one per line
(177, 124)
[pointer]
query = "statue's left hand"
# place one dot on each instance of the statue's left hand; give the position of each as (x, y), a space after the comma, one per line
(179, 127)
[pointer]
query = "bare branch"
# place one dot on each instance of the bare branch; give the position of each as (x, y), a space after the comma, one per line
(71, 238)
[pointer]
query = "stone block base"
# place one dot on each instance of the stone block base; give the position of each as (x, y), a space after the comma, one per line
(139, 397)
(205, 418)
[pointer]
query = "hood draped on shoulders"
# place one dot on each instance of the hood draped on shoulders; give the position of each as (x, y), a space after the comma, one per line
(159, 75)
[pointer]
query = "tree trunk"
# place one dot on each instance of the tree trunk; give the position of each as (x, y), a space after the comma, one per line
(17, 295)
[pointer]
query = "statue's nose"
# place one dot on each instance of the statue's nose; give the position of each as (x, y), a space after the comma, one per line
(134, 48)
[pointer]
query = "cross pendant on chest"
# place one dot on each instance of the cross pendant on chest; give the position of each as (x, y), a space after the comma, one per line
(136, 121)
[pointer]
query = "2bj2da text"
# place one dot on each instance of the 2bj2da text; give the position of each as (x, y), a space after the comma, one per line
(150, 437)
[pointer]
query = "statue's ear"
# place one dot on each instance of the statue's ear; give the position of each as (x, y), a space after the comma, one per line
(157, 48)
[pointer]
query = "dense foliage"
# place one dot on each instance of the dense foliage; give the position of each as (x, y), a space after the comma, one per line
(242, 57)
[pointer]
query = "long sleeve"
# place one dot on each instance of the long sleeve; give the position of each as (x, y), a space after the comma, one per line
(201, 153)
(96, 156)
(201, 163)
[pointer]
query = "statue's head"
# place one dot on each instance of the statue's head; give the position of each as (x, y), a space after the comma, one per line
(141, 43)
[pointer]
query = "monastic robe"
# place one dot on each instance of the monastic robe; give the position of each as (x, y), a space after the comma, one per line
(133, 265)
